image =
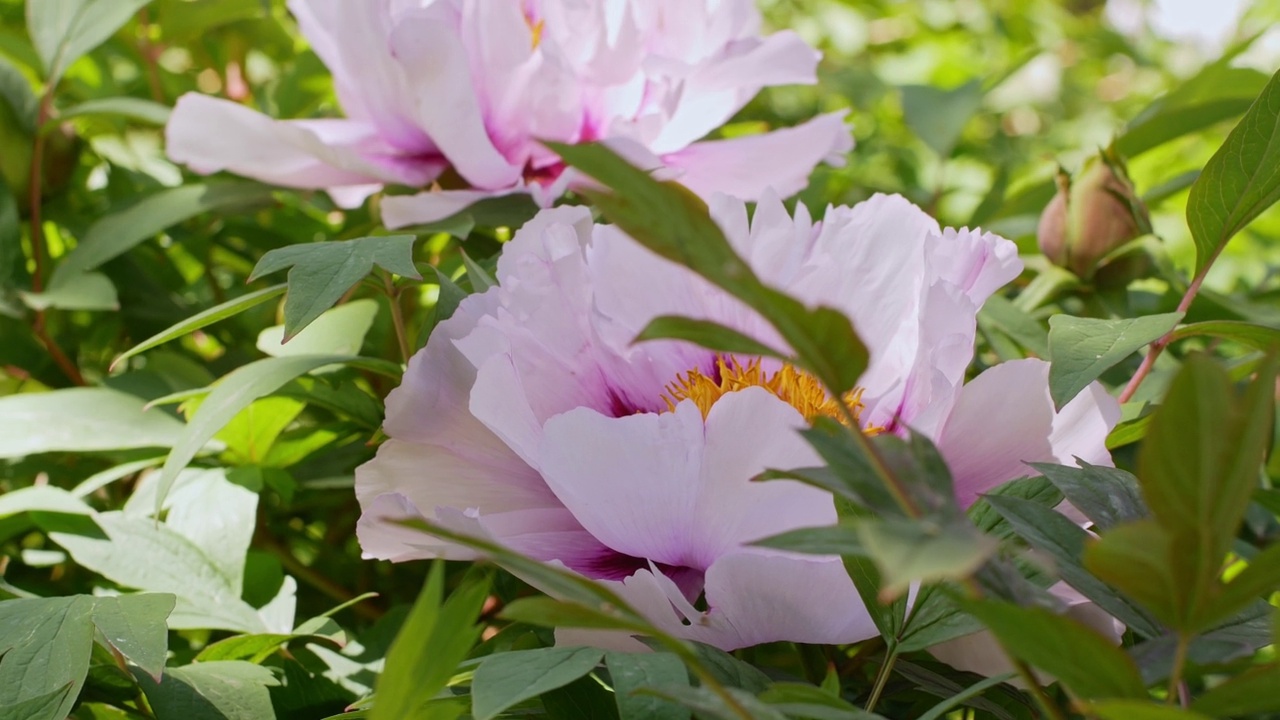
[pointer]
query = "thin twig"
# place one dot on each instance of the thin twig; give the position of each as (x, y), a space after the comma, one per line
(882, 677)
(397, 316)
(1158, 346)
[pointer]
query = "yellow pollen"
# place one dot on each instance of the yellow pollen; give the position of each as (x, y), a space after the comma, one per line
(789, 384)
(535, 31)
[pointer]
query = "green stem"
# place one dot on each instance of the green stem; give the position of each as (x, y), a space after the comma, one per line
(1179, 665)
(397, 316)
(882, 676)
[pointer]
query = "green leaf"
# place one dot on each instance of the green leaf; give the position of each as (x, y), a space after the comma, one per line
(1239, 637)
(673, 222)
(633, 671)
(121, 231)
(1081, 349)
(729, 670)
(1241, 180)
(938, 116)
(506, 679)
(806, 701)
(321, 273)
(1217, 93)
(915, 551)
(551, 613)
(222, 690)
(87, 291)
(81, 420)
(1107, 496)
(1064, 541)
(481, 279)
(734, 704)
(1256, 336)
(1086, 663)
(1136, 558)
(50, 706)
(145, 111)
(257, 647)
(43, 498)
(337, 331)
(230, 308)
(64, 30)
(1198, 468)
(45, 645)
(135, 625)
(842, 539)
(942, 708)
(706, 333)
(447, 301)
(1249, 693)
(1016, 323)
(434, 639)
(1260, 577)
(1140, 710)
(232, 394)
(12, 259)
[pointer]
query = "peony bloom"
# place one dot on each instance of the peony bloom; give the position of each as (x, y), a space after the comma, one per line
(472, 85)
(531, 418)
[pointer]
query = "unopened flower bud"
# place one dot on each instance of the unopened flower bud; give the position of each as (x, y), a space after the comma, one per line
(1093, 214)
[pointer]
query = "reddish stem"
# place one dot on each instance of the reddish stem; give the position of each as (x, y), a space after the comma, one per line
(1158, 346)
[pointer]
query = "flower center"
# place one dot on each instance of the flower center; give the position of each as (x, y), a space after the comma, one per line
(789, 384)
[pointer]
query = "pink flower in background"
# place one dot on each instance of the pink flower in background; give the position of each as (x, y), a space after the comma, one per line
(471, 85)
(531, 419)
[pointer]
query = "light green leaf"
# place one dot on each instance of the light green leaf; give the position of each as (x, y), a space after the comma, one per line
(119, 232)
(436, 637)
(146, 111)
(232, 307)
(320, 273)
(633, 671)
(506, 679)
(232, 394)
(81, 420)
(1089, 665)
(42, 498)
(1081, 349)
(938, 116)
(86, 291)
(337, 331)
(222, 690)
(1241, 180)
(1217, 93)
(64, 30)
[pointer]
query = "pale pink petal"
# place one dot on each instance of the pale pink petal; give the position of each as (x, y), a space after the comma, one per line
(210, 135)
(757, 597)
(716, 89)
(781, 160)
(427, 207)
(677, 490)
(427, 44)
(352, 40)
(1004, 419)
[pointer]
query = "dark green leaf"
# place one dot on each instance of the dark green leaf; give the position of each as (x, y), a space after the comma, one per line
(230, 308)
(51, 706)
(706, 333)
(632, 671)
(135, 626)
(1250, 334)
(480, 278)
(1249, 693)
(1086, 663)
(46, 644)
(320, 273)
(1081, 349)
(222, 690)
(1107, 496)
(507, 679)
(1136, 558)
(734, 704)
(1241, 180)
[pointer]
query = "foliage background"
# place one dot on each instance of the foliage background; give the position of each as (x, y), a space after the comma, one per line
(966, 107)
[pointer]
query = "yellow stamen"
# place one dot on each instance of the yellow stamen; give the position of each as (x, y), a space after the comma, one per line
(535, 30)
(789, 384)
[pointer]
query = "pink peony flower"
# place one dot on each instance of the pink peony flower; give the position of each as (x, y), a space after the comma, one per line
(531, 418)
(472, 85)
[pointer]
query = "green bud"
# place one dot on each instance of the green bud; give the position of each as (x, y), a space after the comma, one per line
(1092, 215)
